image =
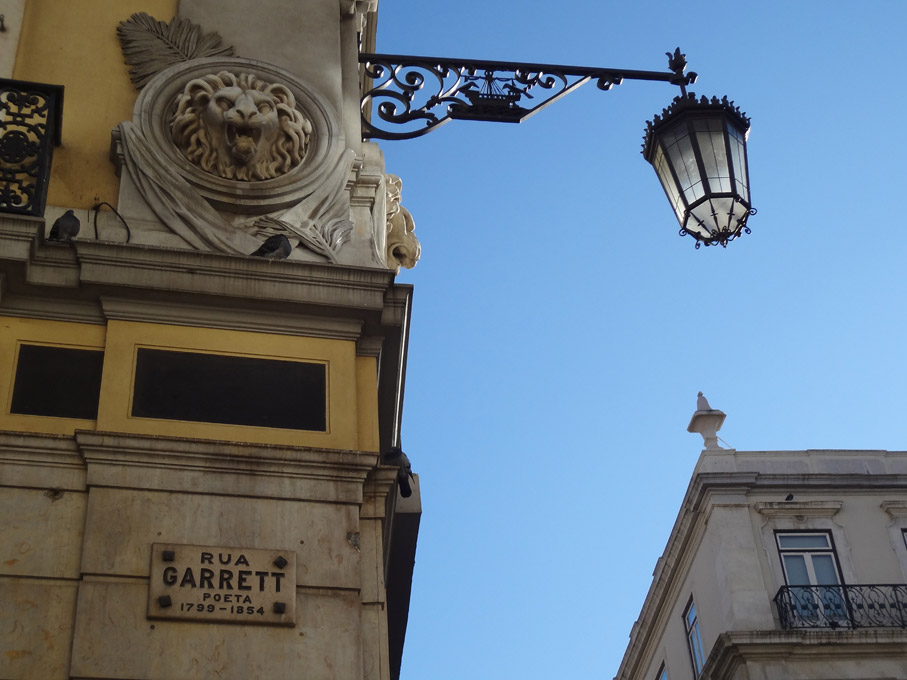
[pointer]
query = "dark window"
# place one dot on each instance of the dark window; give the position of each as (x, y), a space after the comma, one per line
(213, 388)
(662, 673)
(57, 381)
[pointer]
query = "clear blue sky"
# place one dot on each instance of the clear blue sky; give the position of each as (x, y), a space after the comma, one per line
(562, 328)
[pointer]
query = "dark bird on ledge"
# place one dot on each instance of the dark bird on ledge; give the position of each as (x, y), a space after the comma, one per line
(277, 247)
(399, 459)
(790, 497)
(65, 228)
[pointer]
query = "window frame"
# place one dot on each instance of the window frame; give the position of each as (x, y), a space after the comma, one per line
(831, 550)
(813, 599)
(15, 332)
(692, 627)
(347, 381)
(662, 673)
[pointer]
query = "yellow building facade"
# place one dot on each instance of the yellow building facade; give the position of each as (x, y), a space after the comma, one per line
(201, 389)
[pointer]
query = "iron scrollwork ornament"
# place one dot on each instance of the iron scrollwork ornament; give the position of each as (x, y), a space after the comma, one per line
(29, 129)
(722, 238)
(842, 606)
(414, 95)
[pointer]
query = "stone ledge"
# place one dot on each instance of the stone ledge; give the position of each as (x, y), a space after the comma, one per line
(738, 648)
(224, 468)
(230, 318)
(116, 264)
(86, 264)
(41, 461)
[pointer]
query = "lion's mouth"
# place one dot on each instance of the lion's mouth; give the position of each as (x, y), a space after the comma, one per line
(243, 141)
(236, 132)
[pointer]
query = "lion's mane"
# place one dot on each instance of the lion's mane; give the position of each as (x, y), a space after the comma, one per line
(190, 131)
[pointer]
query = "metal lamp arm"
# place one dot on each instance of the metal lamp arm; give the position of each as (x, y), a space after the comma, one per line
(423, 93)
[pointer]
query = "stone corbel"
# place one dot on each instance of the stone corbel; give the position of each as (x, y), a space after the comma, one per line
(369, 346)
(358, 6)
(894, 509)
(358, 10)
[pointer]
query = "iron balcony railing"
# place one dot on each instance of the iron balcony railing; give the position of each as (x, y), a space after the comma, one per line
(843, 606)
(30, 127)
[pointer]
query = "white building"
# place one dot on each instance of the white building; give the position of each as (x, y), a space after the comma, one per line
(781, 565)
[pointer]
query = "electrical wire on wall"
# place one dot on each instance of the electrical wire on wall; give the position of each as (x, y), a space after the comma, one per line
(97, 208)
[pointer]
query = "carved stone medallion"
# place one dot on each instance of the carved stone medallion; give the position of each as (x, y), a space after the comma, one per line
(240, 127)
(250, 137)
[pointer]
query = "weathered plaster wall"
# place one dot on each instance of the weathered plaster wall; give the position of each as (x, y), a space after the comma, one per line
(13, 11)
(75, 45)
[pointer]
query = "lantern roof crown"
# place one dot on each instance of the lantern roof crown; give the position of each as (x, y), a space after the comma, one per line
(684, 104)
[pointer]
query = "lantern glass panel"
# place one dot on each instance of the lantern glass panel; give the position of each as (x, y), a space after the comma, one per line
(694, 227)
(717, 214)
(738, 157)
(741, 213)
(663, 170)
(710, 137)
(679, 148)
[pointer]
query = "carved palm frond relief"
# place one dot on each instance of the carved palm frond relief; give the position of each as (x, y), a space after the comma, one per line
(149, 46)
(325, 241)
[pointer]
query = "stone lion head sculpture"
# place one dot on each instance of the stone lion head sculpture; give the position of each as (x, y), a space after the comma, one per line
(240, 127)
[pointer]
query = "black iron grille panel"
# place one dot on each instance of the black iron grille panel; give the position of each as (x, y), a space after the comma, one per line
(29, 129)
(843, 606)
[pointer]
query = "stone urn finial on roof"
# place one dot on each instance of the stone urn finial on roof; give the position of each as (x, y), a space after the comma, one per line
(707, 421)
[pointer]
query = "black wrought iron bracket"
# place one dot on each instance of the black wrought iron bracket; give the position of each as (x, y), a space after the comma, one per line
(412, 96)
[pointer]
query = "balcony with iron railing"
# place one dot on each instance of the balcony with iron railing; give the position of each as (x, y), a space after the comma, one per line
(842, 606)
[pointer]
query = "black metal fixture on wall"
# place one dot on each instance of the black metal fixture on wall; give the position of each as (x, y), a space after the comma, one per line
(30, 128)
(697, 147)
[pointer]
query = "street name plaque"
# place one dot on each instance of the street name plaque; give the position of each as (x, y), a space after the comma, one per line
(222, 585)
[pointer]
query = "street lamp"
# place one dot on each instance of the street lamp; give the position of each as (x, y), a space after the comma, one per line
(697, 146)
(698, 150)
